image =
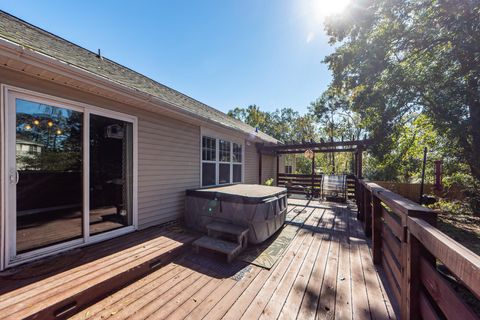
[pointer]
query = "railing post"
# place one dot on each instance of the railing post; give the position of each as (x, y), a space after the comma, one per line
(412, 250)
(360, 189)
(367, 209)
(410, 288)
(376, 230)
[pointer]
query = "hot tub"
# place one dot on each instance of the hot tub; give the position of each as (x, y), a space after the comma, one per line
(260, 208)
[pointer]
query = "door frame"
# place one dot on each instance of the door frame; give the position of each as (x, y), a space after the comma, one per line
(8, 223)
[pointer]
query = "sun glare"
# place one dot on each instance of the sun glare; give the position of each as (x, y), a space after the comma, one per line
(325, 8)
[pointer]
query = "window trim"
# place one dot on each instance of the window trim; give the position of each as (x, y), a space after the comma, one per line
(204, 132)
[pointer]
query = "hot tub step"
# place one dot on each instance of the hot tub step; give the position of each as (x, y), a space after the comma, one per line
(227, 228)
(216, 229)
(231, 249)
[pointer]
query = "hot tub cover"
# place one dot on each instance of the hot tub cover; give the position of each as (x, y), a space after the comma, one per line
(246, 193)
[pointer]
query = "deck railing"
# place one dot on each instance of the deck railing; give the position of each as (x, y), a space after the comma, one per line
(300, 183)
(411, 251)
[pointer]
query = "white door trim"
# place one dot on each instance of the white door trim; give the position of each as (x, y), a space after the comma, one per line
(8, 257)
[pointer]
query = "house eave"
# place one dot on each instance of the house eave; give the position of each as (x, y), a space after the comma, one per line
(17, 55)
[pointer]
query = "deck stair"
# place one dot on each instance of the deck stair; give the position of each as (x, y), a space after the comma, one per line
(215, 240)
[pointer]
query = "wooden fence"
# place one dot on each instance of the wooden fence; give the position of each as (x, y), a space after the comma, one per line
(406, 243)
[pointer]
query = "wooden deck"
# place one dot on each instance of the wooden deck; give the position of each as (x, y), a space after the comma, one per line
(61, 285)
(327, 272)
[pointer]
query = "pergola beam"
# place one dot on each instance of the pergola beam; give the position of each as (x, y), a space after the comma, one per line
(317, 151)
(315, 146)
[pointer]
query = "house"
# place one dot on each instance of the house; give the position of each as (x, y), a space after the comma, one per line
(110, 151)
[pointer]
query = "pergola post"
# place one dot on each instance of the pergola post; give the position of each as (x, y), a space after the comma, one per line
(355, 164)
(259, 167)
(313, 172)
(278, 169)
(359, 162)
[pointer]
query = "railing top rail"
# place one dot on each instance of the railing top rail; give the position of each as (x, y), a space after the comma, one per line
(395, 201)
(462, 262)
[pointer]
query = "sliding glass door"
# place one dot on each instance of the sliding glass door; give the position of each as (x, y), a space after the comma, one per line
(69, 173)
(48, 177)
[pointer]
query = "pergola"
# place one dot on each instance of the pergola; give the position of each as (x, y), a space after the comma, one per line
(355, 146)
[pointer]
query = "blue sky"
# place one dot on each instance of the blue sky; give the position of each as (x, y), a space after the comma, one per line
(224, 53)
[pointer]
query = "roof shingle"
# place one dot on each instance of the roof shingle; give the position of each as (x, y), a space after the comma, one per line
(36, 39)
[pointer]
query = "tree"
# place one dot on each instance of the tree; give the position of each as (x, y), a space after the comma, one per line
(399, 57)
(283, 124)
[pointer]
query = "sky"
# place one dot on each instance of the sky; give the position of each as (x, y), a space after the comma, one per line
(223, 53)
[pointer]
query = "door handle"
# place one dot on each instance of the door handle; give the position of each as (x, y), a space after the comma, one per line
(14, 176)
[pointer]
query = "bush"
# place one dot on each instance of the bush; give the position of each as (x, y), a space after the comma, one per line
(268, 182)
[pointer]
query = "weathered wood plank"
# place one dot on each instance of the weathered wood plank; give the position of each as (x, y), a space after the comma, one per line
(442, 293)
(343, 303)
(459, 260)
(309, 303)
(392, 243)
(393, 224)
(426, 309)
(294, 297)
(263, 296)
(326, 304)
(277, 300)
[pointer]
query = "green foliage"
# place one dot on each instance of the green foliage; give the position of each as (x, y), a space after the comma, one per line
(268, 182)
(283, 124)
(402, 57)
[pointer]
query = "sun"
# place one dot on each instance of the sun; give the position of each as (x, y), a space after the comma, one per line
(325, 8)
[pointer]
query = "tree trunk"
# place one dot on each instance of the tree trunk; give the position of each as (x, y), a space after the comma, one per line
(473, 101)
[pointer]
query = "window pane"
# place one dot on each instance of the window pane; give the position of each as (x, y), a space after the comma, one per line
(111, 174)
(49, 164)
(208, 174)
(224, 174)
(237, 153)
(209, 149)
(224, 151)
(237, 173)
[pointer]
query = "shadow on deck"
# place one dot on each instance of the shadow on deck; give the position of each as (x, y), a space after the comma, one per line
(326, 272)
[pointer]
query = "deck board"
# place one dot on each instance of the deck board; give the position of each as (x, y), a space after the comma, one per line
(78, 277)
(326, 272)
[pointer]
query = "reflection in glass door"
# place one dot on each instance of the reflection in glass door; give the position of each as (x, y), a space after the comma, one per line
(111, 174)
(48, 176)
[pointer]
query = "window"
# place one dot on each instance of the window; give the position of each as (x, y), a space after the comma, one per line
(288, 169)
(209, 155)
(237, 163)
(221, 161)
(209, 148)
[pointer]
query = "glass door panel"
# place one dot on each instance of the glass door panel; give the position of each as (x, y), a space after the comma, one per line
(49, 175)
(111, 174)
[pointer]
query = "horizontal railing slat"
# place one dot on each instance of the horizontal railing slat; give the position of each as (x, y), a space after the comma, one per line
(393, 224)
(443, 294)
(393, 243)
(426, 309)
(394, 286)
(462, 262)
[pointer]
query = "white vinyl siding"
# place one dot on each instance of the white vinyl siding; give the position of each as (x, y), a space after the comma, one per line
(168, 151)
(269, 165)
(168, 157)
(251, 163)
